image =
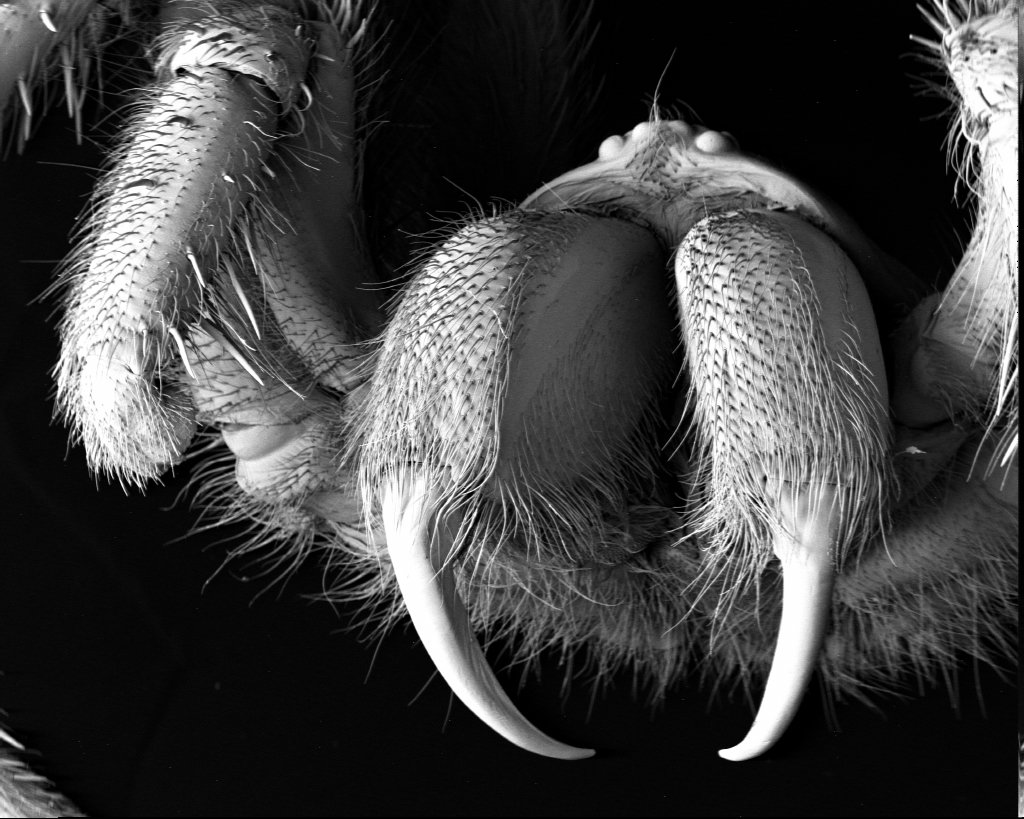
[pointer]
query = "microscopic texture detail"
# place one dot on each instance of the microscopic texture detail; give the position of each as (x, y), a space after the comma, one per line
(669, 412)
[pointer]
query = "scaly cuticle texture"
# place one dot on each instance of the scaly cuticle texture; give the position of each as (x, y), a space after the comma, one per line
(671, 413)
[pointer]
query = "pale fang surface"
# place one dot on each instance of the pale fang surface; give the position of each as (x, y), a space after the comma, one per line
(621, 563)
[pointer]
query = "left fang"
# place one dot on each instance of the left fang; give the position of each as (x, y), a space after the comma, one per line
(428, 588)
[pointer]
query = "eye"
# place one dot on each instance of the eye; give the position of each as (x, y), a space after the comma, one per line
(715, 142)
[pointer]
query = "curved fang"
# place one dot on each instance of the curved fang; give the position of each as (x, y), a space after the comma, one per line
(441, 620)
(803, 546)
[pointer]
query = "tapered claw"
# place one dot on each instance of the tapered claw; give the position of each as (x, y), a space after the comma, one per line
(804, 547)
(441, 620)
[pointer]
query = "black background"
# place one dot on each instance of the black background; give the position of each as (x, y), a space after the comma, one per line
(148, 690)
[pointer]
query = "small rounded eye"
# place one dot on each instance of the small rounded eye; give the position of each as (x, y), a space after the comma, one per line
(610, 147)
(714, 142)
(640, 131)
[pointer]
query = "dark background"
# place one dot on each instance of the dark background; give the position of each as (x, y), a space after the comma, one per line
(151, 686)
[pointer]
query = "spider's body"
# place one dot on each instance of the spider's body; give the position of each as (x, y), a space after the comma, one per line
(674, 408)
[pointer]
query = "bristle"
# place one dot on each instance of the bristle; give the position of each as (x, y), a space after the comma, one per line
(47, 47)
(163, 213)
(23, 792)
(771, 402)
(979, 308)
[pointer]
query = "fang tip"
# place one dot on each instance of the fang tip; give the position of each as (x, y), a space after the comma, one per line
(804, 548)
(427, 583)
(44, 15)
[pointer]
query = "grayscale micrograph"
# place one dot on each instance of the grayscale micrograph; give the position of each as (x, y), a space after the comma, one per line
(532, 407)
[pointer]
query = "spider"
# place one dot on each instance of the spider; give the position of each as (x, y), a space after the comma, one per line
(607, 548)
